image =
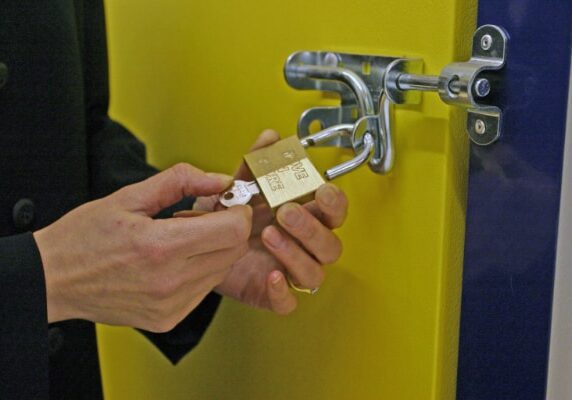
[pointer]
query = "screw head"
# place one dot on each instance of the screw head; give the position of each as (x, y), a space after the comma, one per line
(480, 127)
(482, 87)
(331, 59)
(486, 42)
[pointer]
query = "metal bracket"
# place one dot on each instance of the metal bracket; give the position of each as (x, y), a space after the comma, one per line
(462, 83)
(359, 81)
(367, 85)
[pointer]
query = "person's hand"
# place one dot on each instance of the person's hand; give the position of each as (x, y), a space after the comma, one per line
(298, 243)
(109, 261)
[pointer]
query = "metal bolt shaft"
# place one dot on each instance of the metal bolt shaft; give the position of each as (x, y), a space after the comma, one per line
(418, 82)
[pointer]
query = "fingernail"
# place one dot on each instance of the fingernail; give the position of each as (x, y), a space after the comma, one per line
(274, 238)
(276, 278)
(270, 135)
(292, 215)
(227, 179)
(329, 196)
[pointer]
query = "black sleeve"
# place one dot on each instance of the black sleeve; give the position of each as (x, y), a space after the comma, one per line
(23, 313)
(117, 159)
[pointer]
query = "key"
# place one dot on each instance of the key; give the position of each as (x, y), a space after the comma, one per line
(283, 173)
(240, 194)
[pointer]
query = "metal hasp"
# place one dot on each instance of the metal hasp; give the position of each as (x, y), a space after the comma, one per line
(368, 85)
(361, 122)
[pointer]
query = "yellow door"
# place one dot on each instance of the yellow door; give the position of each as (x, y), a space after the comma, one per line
(197, 81)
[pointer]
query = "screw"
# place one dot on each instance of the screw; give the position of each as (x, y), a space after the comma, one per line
(331, 59)
(482, 87)
(480, 127)
(486, 42)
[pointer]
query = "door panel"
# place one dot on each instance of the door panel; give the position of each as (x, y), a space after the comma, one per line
(512, 215)
(197, 81)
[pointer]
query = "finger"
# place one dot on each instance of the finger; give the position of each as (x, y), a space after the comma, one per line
(320, 241)
(205, 233)
(333, 205)
(189, 213)
(195, 275)
(267, 137)
(213, 263)
(205, 271)
(206, 203)
(262, 217)
(166, 281)
(178, 308)
(215, 267)
(170, 186)
(211, 203)
(313, 209)
(282, 301)
(302, 267)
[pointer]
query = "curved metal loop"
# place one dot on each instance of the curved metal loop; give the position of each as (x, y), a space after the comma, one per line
(339, 74)
(327, 134)
(371, 140)
(376, 120)
(371, 136)
(350, 165)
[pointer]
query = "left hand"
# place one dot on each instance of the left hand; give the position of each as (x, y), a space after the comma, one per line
(299, 242)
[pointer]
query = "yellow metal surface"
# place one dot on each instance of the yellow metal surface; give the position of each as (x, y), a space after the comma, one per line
(198, 80)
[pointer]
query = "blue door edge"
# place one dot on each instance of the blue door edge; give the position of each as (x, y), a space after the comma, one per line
(513, 209)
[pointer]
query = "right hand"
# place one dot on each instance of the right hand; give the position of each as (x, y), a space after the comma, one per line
(108, 261)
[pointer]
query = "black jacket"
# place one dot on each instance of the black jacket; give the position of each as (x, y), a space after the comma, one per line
(58, 149)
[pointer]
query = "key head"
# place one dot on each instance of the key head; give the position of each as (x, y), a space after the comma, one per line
(238, 194)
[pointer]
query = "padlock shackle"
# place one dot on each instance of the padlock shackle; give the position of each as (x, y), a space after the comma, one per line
(327, 134)
(355, 162)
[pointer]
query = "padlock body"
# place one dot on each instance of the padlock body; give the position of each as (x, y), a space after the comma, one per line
(284, 172)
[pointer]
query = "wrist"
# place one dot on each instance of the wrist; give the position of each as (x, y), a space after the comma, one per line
(53, 262)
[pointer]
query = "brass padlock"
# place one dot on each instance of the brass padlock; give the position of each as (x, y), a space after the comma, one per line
(283, 173)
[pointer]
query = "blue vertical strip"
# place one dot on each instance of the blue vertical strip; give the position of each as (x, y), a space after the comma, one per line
(512, 211)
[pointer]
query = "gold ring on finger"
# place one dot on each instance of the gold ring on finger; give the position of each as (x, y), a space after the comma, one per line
(300, 289)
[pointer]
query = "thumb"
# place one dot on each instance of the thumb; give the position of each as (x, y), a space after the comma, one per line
(170, 186)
